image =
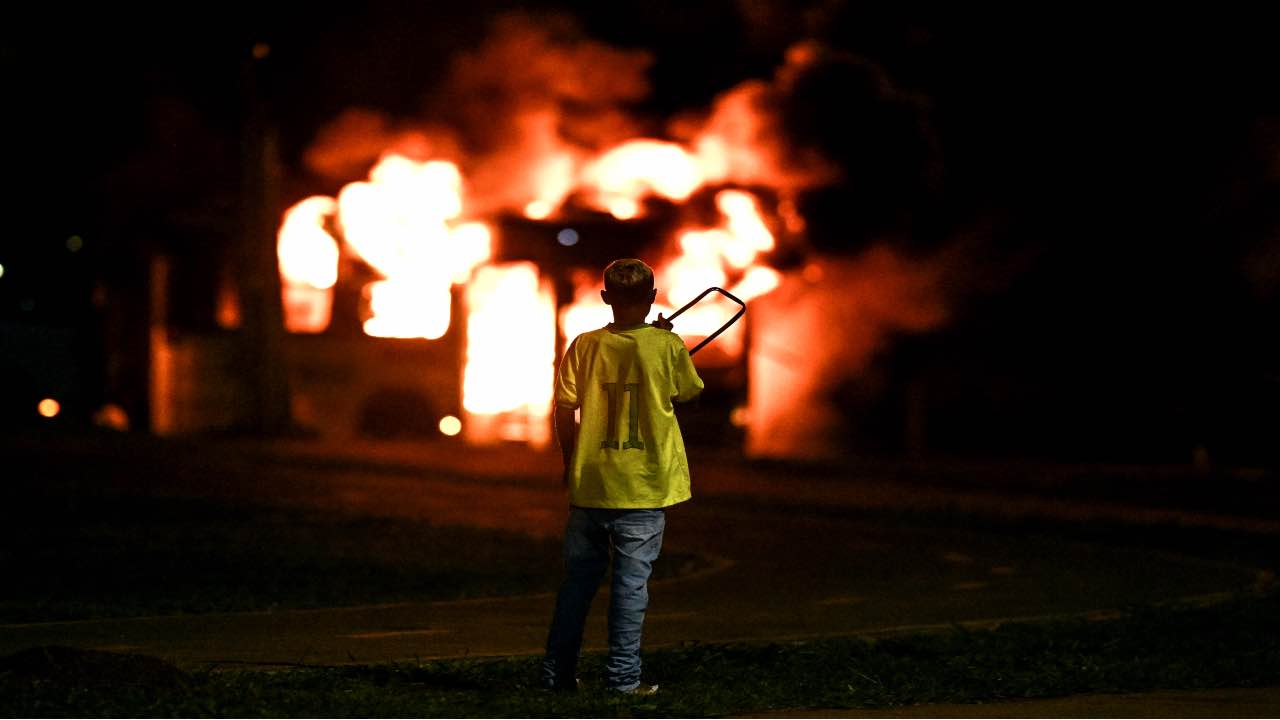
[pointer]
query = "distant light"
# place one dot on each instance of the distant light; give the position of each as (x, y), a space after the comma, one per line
(1, 271)
(261, 51)
(74, 243)
(49, 407)
(567, 237)
(450, 425)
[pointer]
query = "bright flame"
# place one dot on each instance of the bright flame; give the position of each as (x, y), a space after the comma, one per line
(539, 210)
(510, 356)
(308, 264)
(473, 244)
(402, 222)
(747, 233)
(624, 175)
(392, 304)
(707, 257)
(308, 253)
(624, 208)
(759, 280)
(399, 218)
(49, 408)
(450, 425)
(554, 180)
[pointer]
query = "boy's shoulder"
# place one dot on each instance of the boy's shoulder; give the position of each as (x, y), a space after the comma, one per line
(606, 339)
(656, 337)
(647, 333)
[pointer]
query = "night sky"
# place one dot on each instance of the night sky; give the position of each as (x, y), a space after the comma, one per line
(1120, 171)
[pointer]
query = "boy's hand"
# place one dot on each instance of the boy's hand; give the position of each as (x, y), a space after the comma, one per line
(662, 323)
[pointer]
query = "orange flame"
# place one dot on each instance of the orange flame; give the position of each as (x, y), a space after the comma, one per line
(510, 356)
(823, 325)
(308, 264)
(409, 223)
(404, 223)
(627, 173)
(706, 258)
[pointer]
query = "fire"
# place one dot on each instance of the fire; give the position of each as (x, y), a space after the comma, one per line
(405, 222)
(401, 222)
(308, 264)
(823, 326)
(625, 174)
(411, 223)
(554, 179)
(707, 257)
(511, 353)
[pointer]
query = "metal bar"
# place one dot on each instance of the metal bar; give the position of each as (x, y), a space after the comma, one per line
(742, 309)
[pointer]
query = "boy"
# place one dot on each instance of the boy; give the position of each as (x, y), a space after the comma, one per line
(622, 466)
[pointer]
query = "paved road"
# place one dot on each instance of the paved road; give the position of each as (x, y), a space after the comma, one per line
(789, 555)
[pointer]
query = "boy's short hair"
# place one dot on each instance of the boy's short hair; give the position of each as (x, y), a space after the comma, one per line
(628, 281)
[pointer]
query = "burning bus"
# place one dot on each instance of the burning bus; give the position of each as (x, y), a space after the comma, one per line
(460, 318)
(430, 286)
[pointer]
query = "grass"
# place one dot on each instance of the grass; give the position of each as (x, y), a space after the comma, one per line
(120, 556)
(1234, 644)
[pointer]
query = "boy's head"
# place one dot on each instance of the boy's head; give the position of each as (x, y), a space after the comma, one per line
(628, 283)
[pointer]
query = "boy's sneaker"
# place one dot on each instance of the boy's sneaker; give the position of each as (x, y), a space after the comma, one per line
(640, 690)
(573, 686)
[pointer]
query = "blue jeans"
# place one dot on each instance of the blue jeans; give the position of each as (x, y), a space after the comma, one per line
(635, 537)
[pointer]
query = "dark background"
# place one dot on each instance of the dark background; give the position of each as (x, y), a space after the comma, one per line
(1120, 169)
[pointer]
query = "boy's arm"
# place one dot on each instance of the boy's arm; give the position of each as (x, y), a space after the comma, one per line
(567, 436)
(685, 376)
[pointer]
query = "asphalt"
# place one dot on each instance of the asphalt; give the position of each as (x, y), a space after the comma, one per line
(790, 552)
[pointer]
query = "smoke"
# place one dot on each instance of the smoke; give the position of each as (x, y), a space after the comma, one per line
(746, 128)
(536, 99)
(346, 147)
(533, 100)
(823, 325)
(519, 113)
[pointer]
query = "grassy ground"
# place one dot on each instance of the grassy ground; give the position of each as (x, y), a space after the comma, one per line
(1235, 644)
(125, 556)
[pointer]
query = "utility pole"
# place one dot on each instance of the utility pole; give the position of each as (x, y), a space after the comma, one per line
(263, 324)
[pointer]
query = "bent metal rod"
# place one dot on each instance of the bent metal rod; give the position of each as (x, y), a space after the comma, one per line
(742, 308)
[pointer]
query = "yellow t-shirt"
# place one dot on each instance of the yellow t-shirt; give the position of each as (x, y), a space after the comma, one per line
(630, 453)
